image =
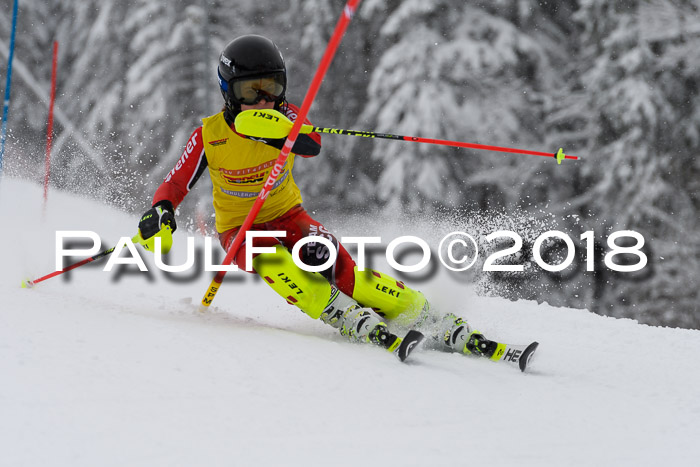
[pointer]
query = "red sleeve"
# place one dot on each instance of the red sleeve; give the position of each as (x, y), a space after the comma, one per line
(187, 170)
(291, 111)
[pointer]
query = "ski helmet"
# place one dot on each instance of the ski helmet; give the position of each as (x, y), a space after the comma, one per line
(250, 68)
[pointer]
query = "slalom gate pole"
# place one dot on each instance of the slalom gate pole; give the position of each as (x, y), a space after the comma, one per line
(8, 82)
(49, 129)
(31, 283)
(341, 26)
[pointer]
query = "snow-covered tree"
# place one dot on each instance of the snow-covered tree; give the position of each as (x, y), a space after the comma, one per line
(631, 112)
(456, 72)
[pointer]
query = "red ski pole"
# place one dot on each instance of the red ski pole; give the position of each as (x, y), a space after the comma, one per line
(30, 283)
(266, 123)
(331, 48)
(559, 155)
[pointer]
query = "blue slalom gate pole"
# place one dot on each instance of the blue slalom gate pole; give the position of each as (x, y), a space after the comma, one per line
(6, 104)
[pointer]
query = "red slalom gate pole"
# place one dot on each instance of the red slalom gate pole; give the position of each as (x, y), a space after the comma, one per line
(49, 130)
(338, 33)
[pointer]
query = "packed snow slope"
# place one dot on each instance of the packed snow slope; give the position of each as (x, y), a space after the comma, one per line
(98, 371)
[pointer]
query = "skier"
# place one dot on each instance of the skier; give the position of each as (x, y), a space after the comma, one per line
(252, 75)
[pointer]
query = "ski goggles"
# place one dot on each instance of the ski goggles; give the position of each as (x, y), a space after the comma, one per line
(250, 91)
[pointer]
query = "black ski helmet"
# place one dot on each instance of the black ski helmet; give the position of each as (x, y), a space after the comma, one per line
(250, 56)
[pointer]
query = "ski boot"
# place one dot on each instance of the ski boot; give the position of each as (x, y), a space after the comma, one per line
(357, 323)
(458, 336)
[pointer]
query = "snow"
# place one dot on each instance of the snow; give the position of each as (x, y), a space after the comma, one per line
(97, 371)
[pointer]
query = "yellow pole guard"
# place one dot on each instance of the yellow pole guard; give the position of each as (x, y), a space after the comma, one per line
(209, 296)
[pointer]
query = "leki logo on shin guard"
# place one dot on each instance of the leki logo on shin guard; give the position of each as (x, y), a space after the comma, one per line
(388, 290)
(285, 278)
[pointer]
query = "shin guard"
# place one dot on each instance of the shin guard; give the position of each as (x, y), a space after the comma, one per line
(390, 298)
(309, 291)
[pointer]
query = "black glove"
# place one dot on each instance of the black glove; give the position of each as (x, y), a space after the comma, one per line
(304, 145)
(156, 218)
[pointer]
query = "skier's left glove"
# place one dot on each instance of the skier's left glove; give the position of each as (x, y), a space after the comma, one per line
(158, 222)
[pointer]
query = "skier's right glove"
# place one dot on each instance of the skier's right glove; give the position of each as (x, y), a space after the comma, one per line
(158, 222)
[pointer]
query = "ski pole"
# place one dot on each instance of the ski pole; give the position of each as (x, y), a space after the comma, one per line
(28, 283)
(273, 124)
(277, 169)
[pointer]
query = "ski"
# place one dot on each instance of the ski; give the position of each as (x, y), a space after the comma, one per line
(406, 345)
(516, 355)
